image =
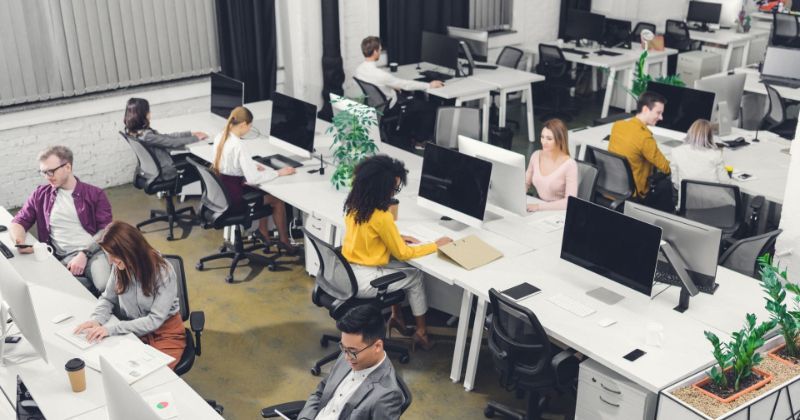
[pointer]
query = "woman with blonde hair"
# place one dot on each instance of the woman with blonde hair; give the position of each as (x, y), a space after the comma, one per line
(236, 169)
(551, 170)
(698, 158)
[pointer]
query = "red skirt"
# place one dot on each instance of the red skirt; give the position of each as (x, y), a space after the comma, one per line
(169, 338)
(235, 185)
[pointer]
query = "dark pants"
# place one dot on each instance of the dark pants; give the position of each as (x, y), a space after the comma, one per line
(417, 122)
(660, 196)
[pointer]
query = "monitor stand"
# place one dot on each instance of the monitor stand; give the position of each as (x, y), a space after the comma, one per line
(451, 224)
(606, 296)
(688, 288)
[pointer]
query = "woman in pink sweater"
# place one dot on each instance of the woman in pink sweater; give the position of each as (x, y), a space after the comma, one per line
(551, 171)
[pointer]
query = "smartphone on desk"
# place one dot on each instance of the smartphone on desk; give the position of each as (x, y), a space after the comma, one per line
(521, 291)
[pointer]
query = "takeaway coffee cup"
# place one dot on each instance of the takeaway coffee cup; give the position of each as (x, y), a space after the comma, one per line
(77, 374)
(393, 67)
(41, 251)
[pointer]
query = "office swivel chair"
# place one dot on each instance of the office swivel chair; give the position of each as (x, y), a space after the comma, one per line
(524, 358)
(785, 30)
(452, 121)
(148, 178)
(509, 57)
(293, 409)
(776, 119)
(558, 81)
(636, 34)
(389, 125)
(587, 180)
(677, 36)
(743, 254)
(614, 179)
(215, 212)
(336, 289)
(713, 204)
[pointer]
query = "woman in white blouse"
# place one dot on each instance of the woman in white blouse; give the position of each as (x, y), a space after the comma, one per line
(699, 158)
(236, 169)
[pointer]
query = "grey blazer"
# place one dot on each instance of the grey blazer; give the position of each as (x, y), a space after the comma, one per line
(379, 397)
(162, 144)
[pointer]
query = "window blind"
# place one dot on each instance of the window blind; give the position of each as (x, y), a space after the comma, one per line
(485, 14)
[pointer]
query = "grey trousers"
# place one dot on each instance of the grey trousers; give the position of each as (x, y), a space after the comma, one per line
(96, 273)
(412, 284)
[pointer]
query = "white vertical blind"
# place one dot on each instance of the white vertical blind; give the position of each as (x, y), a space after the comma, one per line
(490, 13)
(57, 48)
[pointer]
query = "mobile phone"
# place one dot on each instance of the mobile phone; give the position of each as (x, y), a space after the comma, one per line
(744, 176)
(521, 291)
(634, 355)
(13, 339)
(23, 246)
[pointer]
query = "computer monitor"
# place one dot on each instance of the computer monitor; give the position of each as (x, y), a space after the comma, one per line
(617, 33)
(696, 243)
(781, 62)
(340, 103)
(477, 40)
(15, 291)
(292, 124)
(611, 244)
(454, 184)
(226, 93)
(684, 105)
(704, 12)
(728, 88)
(122, 401)
(584, 25)
(439, 50)
(507, 185)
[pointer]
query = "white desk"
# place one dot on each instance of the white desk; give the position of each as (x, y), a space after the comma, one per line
(753, 84)
(507, 81)
(766, 159)
(731, 40)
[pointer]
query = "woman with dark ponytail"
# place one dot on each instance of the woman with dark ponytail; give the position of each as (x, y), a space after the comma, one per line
(236, 168)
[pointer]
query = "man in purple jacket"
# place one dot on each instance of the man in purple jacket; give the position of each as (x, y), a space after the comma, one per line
(68, 214)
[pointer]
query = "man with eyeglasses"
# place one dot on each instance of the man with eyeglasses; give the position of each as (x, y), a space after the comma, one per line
(68, 214)
(362, 383)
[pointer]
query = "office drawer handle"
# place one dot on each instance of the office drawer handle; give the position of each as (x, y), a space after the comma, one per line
(610, 390)
(611, 404)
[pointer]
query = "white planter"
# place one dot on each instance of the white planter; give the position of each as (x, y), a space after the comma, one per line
(781, 402)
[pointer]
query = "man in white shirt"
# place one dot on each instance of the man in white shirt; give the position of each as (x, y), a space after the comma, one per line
(419, 114)
(362, 384)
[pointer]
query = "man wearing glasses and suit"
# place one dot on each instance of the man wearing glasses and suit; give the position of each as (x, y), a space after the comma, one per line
(362, 383)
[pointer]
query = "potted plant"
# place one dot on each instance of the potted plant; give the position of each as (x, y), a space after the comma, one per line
(641, 78)
(774, 283)
(351, 142)
(734, 374)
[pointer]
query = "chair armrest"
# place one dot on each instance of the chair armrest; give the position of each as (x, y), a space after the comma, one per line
(253, 196)
(289, 409)
(384, 281)
(197, 321)
(565, 366)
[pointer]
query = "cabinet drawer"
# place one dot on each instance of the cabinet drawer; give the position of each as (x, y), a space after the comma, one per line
(612, 383)
(604, 404)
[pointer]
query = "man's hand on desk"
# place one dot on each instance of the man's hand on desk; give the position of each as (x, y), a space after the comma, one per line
(200, 135)
(435, 84)
(286, 171)
(77, 264)
(444, 240)
(533, 208)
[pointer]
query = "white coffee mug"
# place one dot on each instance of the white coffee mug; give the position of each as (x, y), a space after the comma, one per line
(41, 251)
(654, 335)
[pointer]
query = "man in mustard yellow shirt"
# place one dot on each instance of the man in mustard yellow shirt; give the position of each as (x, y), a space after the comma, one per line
(631, 138)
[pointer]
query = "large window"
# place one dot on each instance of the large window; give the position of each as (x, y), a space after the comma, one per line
(59, 48)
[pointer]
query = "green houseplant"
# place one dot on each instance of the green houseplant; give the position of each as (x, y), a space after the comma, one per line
(641, 78)
(351, 142)
(775, 284)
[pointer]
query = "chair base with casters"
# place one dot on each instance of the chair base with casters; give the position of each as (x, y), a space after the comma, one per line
(172, 216)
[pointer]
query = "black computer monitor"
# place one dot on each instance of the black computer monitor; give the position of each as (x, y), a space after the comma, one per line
(611, 244)
(440, 50)
(226, 93)
(476, 40)
(617, 33)
(584, 25)
(454, 184)
(684, 105)
(293, 122)
(704, 12)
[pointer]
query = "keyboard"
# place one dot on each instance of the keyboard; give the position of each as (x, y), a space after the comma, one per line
(78, 340)
(5, 251)
(780, 81)
(430, 75)
(277, 162)
(608, 53)
(574, 51)
(570, 305)
(666, 274)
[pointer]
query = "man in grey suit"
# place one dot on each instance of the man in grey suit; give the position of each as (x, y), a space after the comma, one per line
(362, 383)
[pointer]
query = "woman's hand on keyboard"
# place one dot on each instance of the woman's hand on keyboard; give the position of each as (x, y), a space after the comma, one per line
(86, 325)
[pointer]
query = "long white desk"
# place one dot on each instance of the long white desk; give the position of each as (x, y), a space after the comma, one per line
(731, 40)
(55, 291)
(753, 84)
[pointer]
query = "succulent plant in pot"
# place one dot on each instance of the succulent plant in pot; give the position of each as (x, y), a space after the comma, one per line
(351, 142)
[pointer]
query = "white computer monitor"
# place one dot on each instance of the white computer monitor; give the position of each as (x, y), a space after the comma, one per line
(17, 294)
(122, 402)
(340, 103)
(728, 88)
(507, 186)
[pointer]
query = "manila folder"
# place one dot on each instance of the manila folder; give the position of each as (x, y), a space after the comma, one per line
(470, 252)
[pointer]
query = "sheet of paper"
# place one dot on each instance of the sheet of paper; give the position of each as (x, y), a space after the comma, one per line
(133, 361)
(549, 224)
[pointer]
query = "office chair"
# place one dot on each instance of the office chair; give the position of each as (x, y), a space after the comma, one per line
(614, 179)
(713, 204)
(558, 81)
(742, 255)
(587, 180)
(292, 409)
(677, 36)
(636, 34)
(196, 319)
(452, 121)
(215, 212)
(147, 177)
(336, 289)
(776, 119)
(389, 125)
(524, 358)
(509, 57)
(785, 30)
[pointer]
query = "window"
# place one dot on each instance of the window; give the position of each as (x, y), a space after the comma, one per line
(490, 14)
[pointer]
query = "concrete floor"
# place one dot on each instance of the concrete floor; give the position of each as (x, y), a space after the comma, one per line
(262, 333)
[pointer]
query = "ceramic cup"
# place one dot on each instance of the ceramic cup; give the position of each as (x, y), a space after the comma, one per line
(41, 251)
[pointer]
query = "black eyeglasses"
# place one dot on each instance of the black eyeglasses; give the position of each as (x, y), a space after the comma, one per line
(353, 354)
(51, 172)
(398, 188)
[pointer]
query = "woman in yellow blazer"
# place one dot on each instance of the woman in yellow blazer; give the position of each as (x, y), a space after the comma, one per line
(371, 239)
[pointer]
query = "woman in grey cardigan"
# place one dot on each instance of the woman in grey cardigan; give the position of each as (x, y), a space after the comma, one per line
(142, 289)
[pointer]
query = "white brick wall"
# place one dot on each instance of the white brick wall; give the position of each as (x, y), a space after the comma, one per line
(357, 20)
(101, 156)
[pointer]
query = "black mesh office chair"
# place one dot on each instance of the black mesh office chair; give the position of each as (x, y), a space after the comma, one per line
(742, 255)
(292, 409)
(336, 289)
(509, 57)
(390, 125)
(713, 204)
(524, 358)
(614, 179)
(677, 36)
(785, 30)
(197, 319)
(215, 212)
(558, 82)
(587, 180)
(148, 178)
(453, 121)
(636, 34)
(776, 119)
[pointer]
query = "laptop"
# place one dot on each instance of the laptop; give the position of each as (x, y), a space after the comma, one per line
(781, 67)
